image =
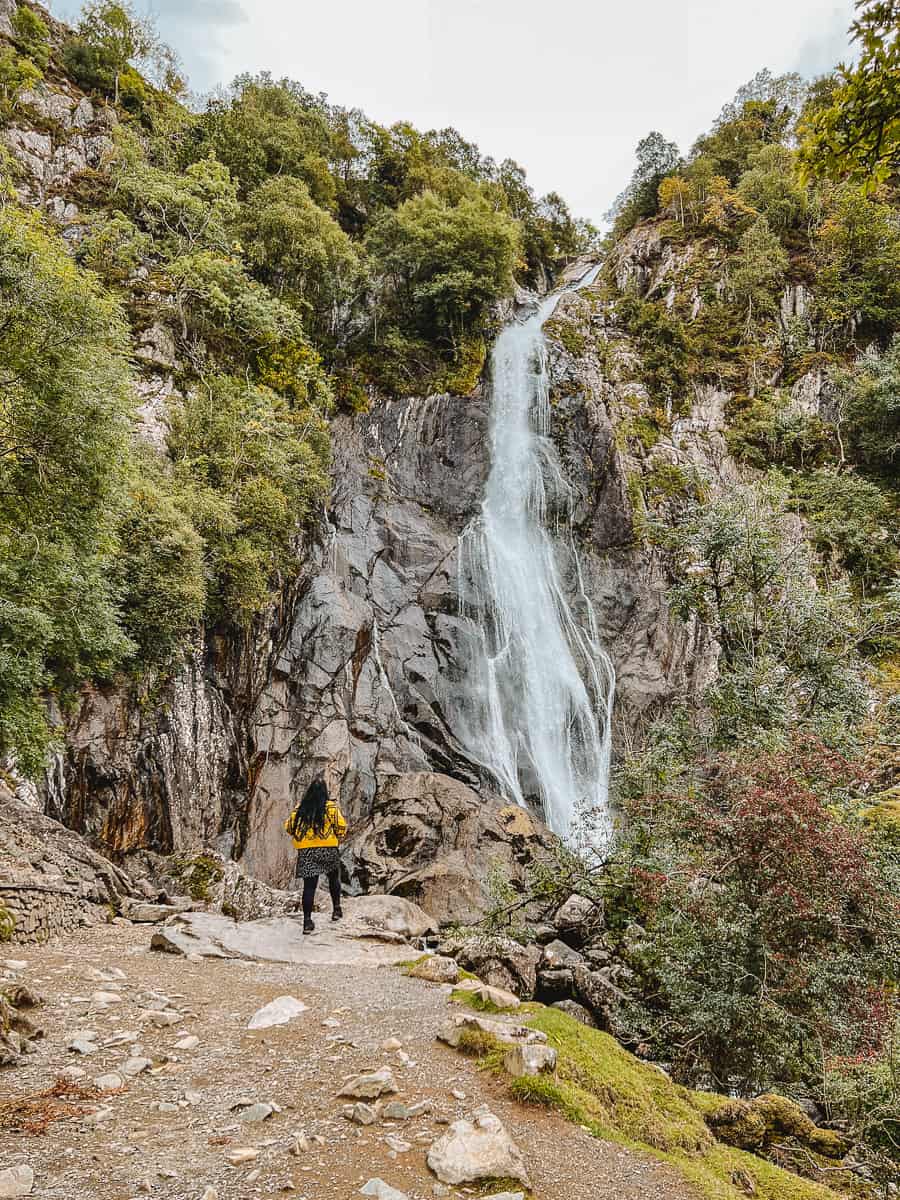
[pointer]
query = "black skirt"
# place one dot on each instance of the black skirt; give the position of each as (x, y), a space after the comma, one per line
(318, 860)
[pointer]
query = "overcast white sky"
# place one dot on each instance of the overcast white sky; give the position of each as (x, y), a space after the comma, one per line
(565, 87)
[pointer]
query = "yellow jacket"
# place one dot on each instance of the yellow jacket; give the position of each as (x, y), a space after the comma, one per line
(335, 828)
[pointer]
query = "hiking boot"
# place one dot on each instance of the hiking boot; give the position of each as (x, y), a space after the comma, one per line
(338, 914)
(308, 926)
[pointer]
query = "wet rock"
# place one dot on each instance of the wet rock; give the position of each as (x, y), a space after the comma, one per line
(371, 1086)
(437, 968)
(278, 1012)
(530, 1060)
(478, 1149)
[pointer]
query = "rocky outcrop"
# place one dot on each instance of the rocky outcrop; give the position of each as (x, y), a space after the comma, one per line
(351, 672)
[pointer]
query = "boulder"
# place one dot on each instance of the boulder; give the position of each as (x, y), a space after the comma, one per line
(557, 955)
(436, 841)
(475, 1150)
(578, 919)
(599, 994)
(554, 985)
(436, 969)
(498, 961)
(577, 1011)
(17, 1029)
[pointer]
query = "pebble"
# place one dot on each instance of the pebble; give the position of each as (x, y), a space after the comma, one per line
(210, 1193)
(72, 1074)
(397, 1144)
(15, 964)
(300, 1146)
(457, 1094)
(370, 1086)
(381, 1191)
(279, 1012)
(194, 1098)
(241, 1155)
(15, 1182)
(392, 1044)
(331, 1023)
(162, 1019)
(166, 1106)
(105, 999)
(188, 1043)
(253, 1176)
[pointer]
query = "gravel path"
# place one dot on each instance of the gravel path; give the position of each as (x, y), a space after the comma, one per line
(137, 1149)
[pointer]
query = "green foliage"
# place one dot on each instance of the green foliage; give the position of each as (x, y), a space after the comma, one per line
(111, 40)
(656, 158)
(852, 128)
(767, 430)
(854, 524)
(856, 254)
(868, 405)
(7, 924)
(766, 940)
(865, 1092)
(730, 146)
(663, 346)
(789, 652)
(159, 565)
(31, 36)
(17, 75)
(771, 186)
(112, 246)
(271, 129)
(300, 251)
(444, 264)
(255, 469)
(758, 272)
(64, 434)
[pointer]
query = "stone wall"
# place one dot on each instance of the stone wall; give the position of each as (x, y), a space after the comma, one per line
(39, 912)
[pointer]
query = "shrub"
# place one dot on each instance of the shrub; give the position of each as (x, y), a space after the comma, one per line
(31, 36)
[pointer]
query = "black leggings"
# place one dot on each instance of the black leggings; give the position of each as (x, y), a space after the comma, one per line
(309, 892)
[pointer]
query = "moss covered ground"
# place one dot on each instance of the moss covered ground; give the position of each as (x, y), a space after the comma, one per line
(601, 1087)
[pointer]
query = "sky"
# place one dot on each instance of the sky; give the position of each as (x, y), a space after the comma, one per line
(565, 87)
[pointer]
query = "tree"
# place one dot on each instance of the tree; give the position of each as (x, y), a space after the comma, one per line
(789, 93)
(110, 38)
(656, 158)
(299, 250)
(867, 399)
(854, 132)
(758, 271)
(65, 405)
(445, 263)
(771, 186)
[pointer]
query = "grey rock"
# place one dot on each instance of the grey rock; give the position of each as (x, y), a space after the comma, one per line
(557, 955)
(136, 1065)
(504, 1031)
(475, 1150)
(498, 961)
(530, 1060)
(16, 1182)
(436, 969)
(577, 1011)
(359, 1114)
(381, 1191)
(370, 1086)
(577, 918)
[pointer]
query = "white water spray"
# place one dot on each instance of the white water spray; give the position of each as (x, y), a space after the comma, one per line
(535, 707)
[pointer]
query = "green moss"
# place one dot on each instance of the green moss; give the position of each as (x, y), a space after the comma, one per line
(568, 335)
(7, 924)
(199, 875)
(613, 1095)
(883, 813)
(473, 1000)
(462, 378)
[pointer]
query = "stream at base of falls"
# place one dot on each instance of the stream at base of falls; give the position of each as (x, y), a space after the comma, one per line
(534, 705)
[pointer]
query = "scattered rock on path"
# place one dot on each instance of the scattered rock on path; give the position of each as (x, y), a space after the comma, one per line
(371, 1086)
(16, 1182)
(279, 1012)
(438, 968)
(241, 1155)
(187, 1043)
(109, 1083)
(136, 1066)
(475, 1150)
(359, 1114)
(381, 1191)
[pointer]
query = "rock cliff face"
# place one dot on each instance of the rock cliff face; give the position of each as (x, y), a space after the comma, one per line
(350, 672)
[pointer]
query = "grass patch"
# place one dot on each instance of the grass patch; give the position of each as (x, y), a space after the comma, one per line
(7, 924)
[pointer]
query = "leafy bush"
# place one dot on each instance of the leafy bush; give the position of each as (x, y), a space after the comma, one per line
(31, 36)
(254, 468)
(767, 930)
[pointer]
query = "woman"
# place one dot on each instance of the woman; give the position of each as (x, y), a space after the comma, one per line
(317, 826)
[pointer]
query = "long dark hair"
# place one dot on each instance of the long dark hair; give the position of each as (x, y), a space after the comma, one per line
(309, 816)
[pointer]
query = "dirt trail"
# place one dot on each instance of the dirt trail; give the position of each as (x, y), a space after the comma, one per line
(139, 1150)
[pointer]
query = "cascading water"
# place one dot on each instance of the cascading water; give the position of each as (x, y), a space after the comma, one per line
(535, 704)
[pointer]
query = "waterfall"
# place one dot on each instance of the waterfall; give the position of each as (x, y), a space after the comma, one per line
(534, 707)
